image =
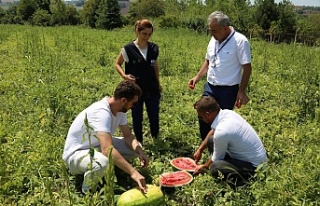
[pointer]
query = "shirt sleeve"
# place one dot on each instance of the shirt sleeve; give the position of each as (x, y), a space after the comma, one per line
(123, 119)
(125, 55)
(101, 121)
(220, 144)
(244, 53)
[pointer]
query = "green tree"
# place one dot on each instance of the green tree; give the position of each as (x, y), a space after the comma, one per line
(308, 29)
(210, 3)
(315, 23)
(266, 12)
(241, 16)
(2, 13)
(184, 13)
(88, 14)
(41, 18)
(239, 12)
(226, 6)
(273, 32)
(44, 5)
(11, 16)
(58, 10)
(108, 15)
(146, 9)
(72, 15)
(287, 20)
(26, 8)
(174, 8)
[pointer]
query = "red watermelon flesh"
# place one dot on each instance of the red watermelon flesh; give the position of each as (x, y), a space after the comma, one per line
(184, 163)
(175, 179)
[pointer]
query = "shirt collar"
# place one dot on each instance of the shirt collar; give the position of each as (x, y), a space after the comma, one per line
(232, 30)
(217, 119)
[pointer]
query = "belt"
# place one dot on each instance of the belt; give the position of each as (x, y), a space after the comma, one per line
(216, 85)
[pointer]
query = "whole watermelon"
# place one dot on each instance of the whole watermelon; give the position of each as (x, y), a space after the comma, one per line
(153, 197)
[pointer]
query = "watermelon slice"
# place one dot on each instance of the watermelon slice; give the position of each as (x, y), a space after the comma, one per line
(184, 163)
(175, 179)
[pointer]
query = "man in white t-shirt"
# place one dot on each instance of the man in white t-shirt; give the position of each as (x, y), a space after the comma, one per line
(227, 65)
(94, 128)
(235, 146)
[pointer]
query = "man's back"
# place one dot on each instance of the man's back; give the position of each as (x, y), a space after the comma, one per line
(236, 136)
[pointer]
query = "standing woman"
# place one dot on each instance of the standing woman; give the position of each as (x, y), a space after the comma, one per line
(141, 66)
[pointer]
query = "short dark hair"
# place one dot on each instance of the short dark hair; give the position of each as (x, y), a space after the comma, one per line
(206, 104)
(127, 89)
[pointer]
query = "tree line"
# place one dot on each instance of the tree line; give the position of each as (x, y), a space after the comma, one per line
(265, 19)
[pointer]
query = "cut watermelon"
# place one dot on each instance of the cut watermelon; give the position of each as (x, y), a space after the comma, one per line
(175, 179)
(184, 163)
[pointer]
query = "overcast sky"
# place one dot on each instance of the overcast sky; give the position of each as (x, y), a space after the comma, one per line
(301, 2)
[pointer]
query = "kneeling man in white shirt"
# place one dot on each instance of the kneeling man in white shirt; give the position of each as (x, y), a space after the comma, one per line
(235, 146)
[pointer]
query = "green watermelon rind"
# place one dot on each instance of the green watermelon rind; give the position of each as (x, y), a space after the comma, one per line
(179, 168)
(176, 185)
(134, 197)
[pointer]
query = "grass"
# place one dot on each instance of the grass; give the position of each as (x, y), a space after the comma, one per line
(48, 75)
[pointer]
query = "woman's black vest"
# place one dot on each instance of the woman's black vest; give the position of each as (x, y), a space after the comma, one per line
(143, 69)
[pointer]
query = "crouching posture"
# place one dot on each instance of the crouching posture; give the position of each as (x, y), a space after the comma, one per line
(94, 128)
(235, 146)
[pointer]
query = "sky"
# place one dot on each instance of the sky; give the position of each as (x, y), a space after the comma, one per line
(301, 2)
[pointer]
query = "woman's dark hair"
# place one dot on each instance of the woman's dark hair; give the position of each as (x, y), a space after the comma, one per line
(143, 24)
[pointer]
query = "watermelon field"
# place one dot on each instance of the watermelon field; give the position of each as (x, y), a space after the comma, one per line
(49, 75)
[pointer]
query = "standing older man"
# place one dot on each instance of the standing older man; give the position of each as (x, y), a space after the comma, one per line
(227, 65)
(235, 146)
